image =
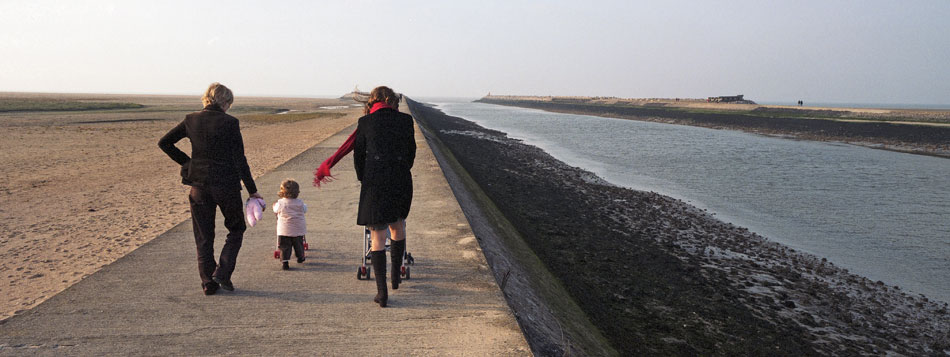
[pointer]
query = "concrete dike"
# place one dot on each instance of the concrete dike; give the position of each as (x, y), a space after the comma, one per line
(552, 322)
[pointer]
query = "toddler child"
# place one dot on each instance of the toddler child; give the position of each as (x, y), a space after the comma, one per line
(291, 222)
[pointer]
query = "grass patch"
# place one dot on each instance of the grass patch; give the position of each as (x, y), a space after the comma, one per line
(289, 117)
(57, 105)
(253, 109)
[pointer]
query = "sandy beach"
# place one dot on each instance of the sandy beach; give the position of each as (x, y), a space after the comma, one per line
(149, 302)
(83, 188)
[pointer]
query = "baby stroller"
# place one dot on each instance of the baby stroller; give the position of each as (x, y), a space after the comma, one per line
(363, 272)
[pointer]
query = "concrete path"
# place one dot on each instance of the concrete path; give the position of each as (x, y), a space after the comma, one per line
(150, 302)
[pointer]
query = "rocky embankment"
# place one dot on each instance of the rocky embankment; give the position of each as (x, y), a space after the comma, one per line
(872, 130)
(658, 276)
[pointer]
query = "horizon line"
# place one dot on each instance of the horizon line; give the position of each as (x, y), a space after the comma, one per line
(325, 96)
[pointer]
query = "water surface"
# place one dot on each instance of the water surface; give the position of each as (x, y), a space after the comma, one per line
(880, 214)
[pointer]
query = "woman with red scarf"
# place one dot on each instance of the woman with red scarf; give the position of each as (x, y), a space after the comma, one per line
(384, 149)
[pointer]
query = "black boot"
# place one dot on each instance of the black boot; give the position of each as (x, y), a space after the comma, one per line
(396, 250)
(379, 268)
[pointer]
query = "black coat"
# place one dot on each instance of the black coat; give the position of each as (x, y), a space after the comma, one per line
(383, 152)
(217, 151)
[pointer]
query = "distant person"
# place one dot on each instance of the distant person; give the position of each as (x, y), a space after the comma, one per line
(384, 149)
(291, 223)
(214, 171)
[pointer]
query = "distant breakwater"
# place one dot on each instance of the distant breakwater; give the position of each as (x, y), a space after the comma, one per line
(818, 125)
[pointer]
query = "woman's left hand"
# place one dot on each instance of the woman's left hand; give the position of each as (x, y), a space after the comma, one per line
(256, 195)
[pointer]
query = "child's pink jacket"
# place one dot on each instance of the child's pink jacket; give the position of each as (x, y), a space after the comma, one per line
(291, 217)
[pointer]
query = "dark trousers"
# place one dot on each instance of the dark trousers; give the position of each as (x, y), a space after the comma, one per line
(285, 243)
(204, 201)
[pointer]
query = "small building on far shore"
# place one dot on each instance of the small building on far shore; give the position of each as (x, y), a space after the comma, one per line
(356, 95)
(735, 99)
(725, 99)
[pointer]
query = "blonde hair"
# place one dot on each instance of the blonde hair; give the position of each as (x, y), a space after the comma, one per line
(217, 94)
(382, 94)
(289, 189)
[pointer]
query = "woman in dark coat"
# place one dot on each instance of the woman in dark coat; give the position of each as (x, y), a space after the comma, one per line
(214, 171)
(384, 149)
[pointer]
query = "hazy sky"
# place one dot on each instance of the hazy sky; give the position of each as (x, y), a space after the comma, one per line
(818, 51)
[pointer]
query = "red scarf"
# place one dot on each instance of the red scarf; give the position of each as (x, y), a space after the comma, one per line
(322, 174)
(378, 106)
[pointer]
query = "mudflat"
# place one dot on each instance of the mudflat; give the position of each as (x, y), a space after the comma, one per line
(658, 276)
(84, 183)
(925, 132)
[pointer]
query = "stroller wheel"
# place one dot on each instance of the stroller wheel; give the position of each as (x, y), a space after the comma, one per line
(402, 270)
(407, 272)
